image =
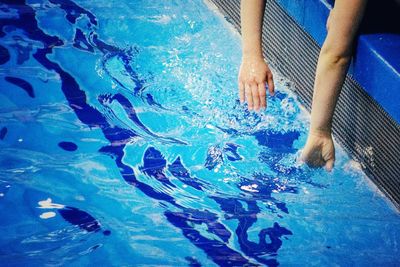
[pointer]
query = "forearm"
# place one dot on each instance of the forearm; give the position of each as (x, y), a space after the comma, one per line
(251, 13)
(330, 75)
(334, 60)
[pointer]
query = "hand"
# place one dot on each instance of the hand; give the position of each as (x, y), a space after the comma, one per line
(319, 150)
(253, 75)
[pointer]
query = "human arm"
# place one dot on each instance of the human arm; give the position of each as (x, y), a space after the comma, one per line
(331, 70)
(254, 72)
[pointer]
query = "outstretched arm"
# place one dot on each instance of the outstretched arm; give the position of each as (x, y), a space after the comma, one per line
(332, 66)
(254, 72)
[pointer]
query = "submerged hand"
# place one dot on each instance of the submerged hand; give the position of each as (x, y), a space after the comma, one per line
(253, 75)
(319, 150)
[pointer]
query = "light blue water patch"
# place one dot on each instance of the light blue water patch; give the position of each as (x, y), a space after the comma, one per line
(125, 144)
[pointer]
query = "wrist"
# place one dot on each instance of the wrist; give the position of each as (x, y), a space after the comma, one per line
(252, 53)
(321, 131)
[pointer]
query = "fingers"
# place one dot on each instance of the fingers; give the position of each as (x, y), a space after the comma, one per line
(312, 155)
(271, 86)
(329, 164)
(262, 94)
(241, 92)
(256, 97)
(313, 159)
(249, 96)
(254, 94)
(330, 160)
(316, 156)
(253, 76)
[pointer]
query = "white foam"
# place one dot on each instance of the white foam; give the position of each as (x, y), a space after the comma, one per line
(47, 204)
(249, 188)
(47, 215)
(162, 19)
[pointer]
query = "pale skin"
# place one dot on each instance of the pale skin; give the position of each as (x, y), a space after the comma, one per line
(254, 72)
(333, 61)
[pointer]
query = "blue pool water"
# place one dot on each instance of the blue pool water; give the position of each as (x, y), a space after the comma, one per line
(122, 143)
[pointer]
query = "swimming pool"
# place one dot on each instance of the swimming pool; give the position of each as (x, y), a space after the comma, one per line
(123, 143)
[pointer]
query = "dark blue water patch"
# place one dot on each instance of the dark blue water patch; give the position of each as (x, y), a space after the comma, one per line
(179, 171)
(82, 219)
(261, 251)
(106, 48)
(211, 220)
(150, 100)
(279, 141)
(214, 157)
(68, 146)
(3, 133)
(106, 232)
(74, 11)
(231, 153)
(132, 115)
(280, 95)
(23, 49)
(233, 208)
(27, 21)
(190, 113)
(6, 12)
(230, 131)
(128, 174)
(154, 162)
(154, 165)
(282, 206)
(24, 85)
(128, 108)
(192, 262)
(4, 55)
(218, 251)
(81, 42)
(126, 57)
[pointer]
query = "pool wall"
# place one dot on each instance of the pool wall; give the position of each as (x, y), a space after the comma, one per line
(366, 121)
